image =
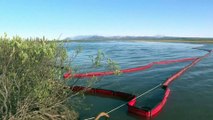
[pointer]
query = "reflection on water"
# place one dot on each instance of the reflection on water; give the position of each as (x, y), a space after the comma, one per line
(191, 94)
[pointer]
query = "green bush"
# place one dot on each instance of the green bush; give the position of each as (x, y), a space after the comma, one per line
(31, 86)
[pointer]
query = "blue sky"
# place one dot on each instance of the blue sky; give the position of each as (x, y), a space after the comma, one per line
(50, 18)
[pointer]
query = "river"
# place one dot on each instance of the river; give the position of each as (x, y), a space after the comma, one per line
(191, 95)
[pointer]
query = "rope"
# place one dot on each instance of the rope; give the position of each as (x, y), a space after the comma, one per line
(118, 107)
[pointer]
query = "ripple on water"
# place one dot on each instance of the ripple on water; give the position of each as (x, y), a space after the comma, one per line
(191, 94)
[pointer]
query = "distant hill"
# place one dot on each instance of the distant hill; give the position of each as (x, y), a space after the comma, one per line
(96, 37)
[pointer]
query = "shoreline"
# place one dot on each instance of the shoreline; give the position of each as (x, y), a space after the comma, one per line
(166, 41)
(178, 41)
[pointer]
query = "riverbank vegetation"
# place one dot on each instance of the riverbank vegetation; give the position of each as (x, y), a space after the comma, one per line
(31, 86)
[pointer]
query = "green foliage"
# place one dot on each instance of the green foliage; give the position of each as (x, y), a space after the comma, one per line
(31, 86)
(100, 59)
(31, 83)
(97, 59)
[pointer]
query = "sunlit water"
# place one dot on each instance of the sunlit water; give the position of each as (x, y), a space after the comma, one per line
(191, 95)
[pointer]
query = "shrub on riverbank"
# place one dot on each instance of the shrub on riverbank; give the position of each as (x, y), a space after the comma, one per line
(31, 86)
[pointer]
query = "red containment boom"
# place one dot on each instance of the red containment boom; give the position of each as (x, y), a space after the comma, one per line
(132, 99)
(130, 70)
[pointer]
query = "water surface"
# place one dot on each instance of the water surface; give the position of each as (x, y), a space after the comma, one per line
(191, 94)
